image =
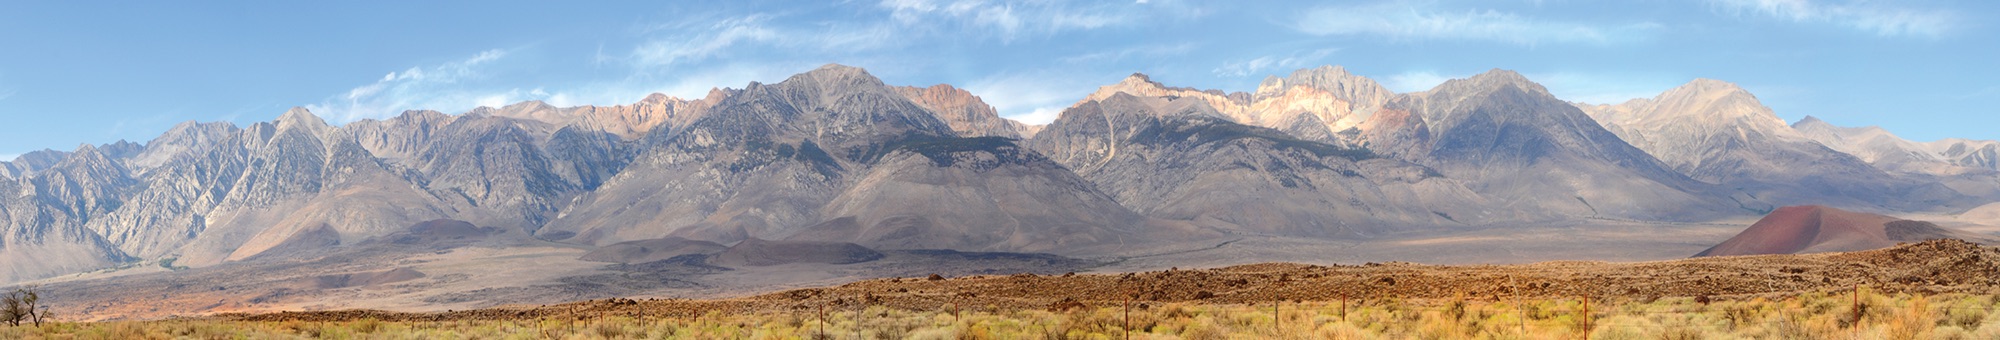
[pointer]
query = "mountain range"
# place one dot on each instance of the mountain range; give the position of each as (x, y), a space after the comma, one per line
(835, 156)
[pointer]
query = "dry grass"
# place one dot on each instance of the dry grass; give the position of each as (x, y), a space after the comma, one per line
(1806, 316)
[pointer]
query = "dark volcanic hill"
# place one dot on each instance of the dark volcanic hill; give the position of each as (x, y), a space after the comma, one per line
(1818, 229)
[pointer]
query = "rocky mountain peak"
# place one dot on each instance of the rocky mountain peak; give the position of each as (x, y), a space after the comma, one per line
(1810, 120)
(966, 113)
(85, 149)
(717, 94)
(300, 118)
(1710, 85)
(1364, 95)
(1499, 77)
(528, 107)
(1709, 101)
(836, 75)
(1489, 82)
(1270, 85)
(422, 115)
(1140, 77)
(1139, 84)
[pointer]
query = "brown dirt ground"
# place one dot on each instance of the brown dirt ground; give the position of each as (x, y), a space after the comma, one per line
(1931, 267)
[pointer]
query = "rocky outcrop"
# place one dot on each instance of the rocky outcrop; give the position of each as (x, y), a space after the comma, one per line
(1885, 150)
(29, 163)
(655, 112)
(46, 211)
(964, 112)
(1977, 154)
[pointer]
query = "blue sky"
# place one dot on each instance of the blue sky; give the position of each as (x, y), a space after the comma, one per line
(95, 73)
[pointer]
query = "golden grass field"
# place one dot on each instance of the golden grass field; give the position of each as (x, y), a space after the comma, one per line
(1823, 315)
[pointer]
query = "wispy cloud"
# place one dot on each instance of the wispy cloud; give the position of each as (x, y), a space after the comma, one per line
(1870, 16)
(1989, 91)
(1010, 20)
(1261, 65)
(1140, 51)
(708, 42)
(7, 90)
(442, 87)
(693, 42)
(1426, 20)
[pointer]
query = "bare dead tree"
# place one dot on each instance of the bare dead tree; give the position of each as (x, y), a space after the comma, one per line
(12, 310)
(31, 297)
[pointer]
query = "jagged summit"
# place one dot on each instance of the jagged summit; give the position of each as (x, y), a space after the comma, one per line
(1708, 103)
(1316, 77)
(300, 117)
(1140, 77)
(1809, 120)
(836, 75)
(1137, 82)
(967, 114)
(1502, 77)
(531, 105)
(1708, 85)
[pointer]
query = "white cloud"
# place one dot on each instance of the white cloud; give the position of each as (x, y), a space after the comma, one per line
(1862, 15)
(1263, 64)
(1041, 116)
(1033, 98)
(9, 157)
(442, 87)
(1414, 81)
(1420, 20)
